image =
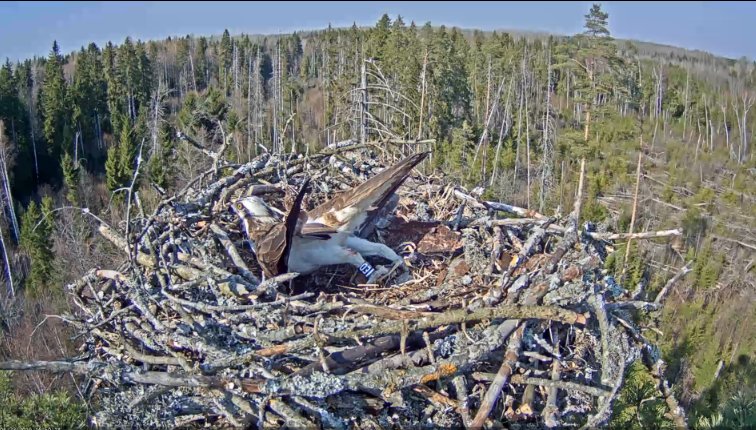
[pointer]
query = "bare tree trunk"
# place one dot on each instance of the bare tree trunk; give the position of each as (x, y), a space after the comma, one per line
(698, 141)
(236, 69)
(155, 122)
(635, 206)
(483, 141)
(587, 124)
(685, 110)
(488, 87)
(249, 106)
(191, 64)
(363, 103)
(276, 71)
(589, 106)
(707, 123)
(8, 271)
(34, 141)
(258, 98)
(547, 147)
(527, 146)
(748, 101)
(519, 118)
(8, 200)
(569, 76)
(726, 129)
(503, 131)
(423, 87)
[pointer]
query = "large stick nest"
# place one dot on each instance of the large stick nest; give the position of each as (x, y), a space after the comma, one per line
(499, 320)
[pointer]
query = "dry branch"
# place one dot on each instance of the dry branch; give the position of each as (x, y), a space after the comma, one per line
(189, 323)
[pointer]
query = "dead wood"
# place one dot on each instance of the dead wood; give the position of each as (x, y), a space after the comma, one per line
(185, 320)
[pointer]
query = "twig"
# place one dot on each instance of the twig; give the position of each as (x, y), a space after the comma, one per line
(683, 271)
(233, 253)
(502, 376)
(452, 317)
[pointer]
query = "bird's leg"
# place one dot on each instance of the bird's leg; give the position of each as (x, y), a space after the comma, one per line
(367, 248)
(354, 258)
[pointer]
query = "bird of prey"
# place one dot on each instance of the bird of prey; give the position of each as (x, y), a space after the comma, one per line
(272, 237)
(326, 235)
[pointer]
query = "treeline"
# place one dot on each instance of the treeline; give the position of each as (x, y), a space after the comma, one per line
(509, 114)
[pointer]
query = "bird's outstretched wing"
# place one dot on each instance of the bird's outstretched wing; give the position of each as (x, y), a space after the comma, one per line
(292, 222)
(349, 211)
(274, 245)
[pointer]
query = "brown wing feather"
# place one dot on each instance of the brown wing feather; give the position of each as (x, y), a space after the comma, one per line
(317, 230)
(371, 193)
(273, 241)
(291, 225)
(271, 248)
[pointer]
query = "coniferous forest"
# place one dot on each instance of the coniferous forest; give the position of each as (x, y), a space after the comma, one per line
(513, 114)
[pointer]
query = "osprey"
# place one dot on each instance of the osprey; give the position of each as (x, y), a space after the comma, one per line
(272, 237)
(303, 241)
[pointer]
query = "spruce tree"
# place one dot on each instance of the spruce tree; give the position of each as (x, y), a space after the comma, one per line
(36, 241)
(54, 109)
(126, 152)
(112, 177)
(70, 178)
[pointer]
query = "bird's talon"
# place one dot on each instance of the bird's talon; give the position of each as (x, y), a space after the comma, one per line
(379, 275)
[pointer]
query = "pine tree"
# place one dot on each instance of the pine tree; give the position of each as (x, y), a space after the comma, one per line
(596, 57)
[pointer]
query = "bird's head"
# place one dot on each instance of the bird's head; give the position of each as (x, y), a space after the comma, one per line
(253, 207)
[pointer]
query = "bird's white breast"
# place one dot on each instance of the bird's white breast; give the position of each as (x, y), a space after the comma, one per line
(308, 255)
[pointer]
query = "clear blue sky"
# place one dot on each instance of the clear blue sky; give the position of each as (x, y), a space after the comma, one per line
(28, 28)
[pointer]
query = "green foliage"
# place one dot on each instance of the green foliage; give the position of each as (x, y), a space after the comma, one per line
(224, 59)
(639, 404)
(694, 225)
(112, 177)
(108, 103)
(731, 401)
(70, 178)
(160, 163)
(635, 269)
(54, 107)
(459, 154)
(35, 241)
(50, 410)
(593, 211)
(707, 267)
(119, 167)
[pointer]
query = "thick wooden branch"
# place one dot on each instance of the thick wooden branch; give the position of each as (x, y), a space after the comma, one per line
(233, 253)
(502, 377)
(644, 235)
(682, 272)
(452, 317)
(563, 385)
